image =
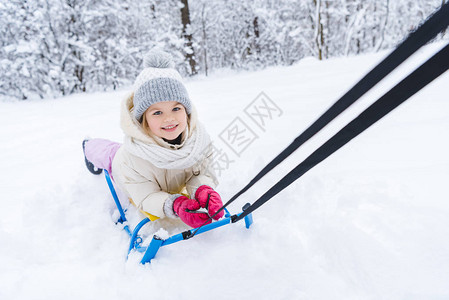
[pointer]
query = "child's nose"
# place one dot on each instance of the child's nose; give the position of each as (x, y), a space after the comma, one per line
(169, 117)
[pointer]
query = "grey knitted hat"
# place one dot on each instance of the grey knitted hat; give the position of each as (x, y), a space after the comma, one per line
(158, 82)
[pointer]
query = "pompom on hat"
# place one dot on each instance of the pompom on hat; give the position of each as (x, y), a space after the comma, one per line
(158, 82)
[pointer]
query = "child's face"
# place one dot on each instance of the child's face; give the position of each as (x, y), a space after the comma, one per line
(166, 119)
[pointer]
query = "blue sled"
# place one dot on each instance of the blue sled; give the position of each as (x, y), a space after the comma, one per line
(157, 242)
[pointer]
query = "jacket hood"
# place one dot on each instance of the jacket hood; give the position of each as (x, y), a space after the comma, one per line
(132, 128)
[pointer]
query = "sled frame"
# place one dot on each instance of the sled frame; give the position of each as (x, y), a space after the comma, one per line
(157, 242)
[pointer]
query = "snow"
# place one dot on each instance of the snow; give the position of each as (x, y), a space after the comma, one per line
(370, 222)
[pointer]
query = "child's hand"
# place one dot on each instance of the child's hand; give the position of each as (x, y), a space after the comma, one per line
(187, 208)
(209, 199)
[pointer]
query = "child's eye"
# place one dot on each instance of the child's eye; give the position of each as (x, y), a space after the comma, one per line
(157, 113)
(177, 108)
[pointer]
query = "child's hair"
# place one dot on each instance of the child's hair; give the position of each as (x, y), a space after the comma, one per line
(145, 126)
(143, 121)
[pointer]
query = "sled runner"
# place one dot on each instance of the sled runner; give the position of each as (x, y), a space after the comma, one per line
(401, 92)
(157, 242)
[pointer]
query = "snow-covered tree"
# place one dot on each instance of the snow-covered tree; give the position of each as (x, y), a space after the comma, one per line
(57, 47)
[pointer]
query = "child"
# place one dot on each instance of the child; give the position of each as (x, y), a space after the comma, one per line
(166, 151)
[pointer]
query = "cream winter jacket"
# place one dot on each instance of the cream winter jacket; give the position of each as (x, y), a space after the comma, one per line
(148, 186)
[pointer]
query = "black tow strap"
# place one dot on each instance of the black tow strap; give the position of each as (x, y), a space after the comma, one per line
(422, 76)
(426, 32)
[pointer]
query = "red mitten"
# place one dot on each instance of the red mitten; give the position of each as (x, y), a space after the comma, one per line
(186, 209)
(209, 199)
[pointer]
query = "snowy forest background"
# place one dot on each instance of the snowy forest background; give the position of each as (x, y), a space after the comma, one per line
(51, 48)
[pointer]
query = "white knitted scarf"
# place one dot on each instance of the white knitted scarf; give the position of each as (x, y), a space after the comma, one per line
(192, 152)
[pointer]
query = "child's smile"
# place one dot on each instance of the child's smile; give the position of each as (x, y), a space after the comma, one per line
(170, 128)
(166, 119)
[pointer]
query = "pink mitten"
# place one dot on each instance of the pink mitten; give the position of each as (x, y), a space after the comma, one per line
(186, 208)
(209, 199)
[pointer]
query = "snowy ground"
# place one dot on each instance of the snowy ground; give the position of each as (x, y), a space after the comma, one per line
(370, 222)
